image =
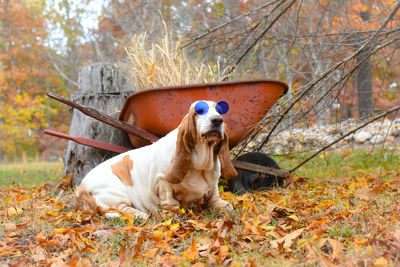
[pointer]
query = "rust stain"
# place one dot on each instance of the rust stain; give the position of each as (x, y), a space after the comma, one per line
(122, 170)
(85, 198)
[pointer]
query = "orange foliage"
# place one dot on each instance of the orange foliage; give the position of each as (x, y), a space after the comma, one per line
(26, 75)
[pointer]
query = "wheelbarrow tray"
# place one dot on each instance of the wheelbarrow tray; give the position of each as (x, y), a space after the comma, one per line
(160, 110)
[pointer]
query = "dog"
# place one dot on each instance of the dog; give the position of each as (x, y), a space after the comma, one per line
(177, 171)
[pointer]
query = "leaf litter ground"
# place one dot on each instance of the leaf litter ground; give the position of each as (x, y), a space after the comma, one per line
(314, 221)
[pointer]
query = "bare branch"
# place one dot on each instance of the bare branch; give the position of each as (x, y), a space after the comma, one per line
(227, 23)
(371, 41)
(247, 50)
(60, 71)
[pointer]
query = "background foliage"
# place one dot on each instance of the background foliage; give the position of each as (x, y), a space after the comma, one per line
(43, 44)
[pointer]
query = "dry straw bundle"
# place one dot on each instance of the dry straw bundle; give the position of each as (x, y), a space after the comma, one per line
(166, 64)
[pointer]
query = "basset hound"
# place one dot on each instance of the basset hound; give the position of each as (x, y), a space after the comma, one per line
(178, 170)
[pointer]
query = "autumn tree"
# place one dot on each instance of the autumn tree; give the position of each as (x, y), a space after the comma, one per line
(26, 75)
(68, 39)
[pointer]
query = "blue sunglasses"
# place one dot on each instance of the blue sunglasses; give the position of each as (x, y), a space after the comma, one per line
(202, 107)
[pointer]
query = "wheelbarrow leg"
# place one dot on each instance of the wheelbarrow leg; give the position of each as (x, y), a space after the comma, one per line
(89, 142)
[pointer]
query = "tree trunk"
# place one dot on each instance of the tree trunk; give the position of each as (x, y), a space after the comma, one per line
(364, 85)
(104, 88)
(4, 32)
(3, 52)
(364, 79)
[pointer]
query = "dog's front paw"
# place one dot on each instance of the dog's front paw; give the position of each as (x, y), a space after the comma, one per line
(172, 205)
(173, 209)
(222, 204)
(229, 207)
(140, 215)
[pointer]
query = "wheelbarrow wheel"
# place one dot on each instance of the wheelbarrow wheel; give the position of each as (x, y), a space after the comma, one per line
(248, 181)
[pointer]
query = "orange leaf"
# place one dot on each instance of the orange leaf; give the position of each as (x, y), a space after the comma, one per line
(89, 248)
(223, 254)
(287, 240)
(381, 262)
(38, 254)
(24, 223)
(138, 245)
(59, 231)
(192, 252)
(151, 71)
(122, 254)
(73, 262)
(53, 214)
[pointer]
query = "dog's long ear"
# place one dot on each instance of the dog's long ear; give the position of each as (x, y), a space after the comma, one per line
(227, 169)
(185, 142)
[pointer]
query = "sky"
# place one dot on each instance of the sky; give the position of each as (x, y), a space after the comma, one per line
(89, 21)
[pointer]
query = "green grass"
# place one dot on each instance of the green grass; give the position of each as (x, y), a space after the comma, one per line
(336, 164)
(30, 174)
(342, 164)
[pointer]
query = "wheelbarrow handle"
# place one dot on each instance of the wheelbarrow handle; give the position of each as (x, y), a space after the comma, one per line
(107, 119)
(88, 142)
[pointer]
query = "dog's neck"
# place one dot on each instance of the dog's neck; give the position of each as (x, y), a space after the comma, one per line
(203, 155)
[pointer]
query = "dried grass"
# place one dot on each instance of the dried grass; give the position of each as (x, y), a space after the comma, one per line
(165, 64)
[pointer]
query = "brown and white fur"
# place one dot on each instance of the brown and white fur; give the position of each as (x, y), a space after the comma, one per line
(181, 168)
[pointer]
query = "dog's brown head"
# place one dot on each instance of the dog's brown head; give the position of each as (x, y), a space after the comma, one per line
(202, 125)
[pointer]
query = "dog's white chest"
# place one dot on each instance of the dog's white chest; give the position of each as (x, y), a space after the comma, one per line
(195, 186)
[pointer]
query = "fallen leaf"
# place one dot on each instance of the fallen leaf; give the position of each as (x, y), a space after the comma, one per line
(65, 183)
(13, 211)
(168, 260)
(10, 227)
(122, 254)
(73, 261)
(288, 240)
(19, 263)
(152, 252)
(102, 234)
(59, 230)
(38, 254)
(223, 254)
(381, 262)
(192, 252)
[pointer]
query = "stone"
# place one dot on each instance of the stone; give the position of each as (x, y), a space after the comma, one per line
(349, 138)
(295, 139)
(377, 139)
(278, 150)
(396, 133)
(327, 139)
(362, 137)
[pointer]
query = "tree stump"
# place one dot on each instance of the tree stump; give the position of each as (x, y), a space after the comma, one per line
(104, 88)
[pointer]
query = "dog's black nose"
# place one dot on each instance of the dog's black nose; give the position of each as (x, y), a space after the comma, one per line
(216, 121)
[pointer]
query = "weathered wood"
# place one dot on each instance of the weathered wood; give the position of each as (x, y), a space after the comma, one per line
(104, 88)
(259, 169)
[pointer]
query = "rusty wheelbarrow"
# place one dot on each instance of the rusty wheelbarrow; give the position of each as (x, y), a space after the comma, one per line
(149, 114)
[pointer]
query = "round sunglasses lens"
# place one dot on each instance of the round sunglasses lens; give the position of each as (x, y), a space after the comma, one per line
(222, 107)
(201, 108)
